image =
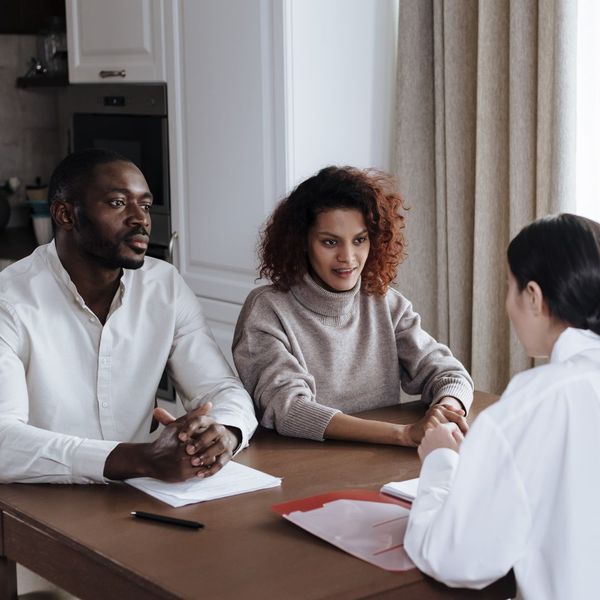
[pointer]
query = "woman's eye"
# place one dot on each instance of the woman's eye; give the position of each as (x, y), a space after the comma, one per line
(329, 243)
(360, 240)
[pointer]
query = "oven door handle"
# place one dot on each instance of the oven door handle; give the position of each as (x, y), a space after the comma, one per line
(117, 73)
(174, 236)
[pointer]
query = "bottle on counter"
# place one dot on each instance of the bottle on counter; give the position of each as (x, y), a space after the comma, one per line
(52, 46)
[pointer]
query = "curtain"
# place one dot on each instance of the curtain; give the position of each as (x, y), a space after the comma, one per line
(485, 143)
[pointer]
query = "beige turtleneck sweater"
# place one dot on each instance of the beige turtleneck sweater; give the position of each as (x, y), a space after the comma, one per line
(306, 354)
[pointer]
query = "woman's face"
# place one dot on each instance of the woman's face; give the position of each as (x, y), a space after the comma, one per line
(338, 247)
(536, 329)
(515, 308)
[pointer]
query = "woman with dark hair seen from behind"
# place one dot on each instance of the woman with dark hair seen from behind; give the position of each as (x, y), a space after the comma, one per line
(522, 492)
(330, 336)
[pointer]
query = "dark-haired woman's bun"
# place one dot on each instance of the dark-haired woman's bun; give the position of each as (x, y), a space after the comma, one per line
(561, 254)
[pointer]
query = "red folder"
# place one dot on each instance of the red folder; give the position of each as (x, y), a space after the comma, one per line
(368, 525)
(312, 502)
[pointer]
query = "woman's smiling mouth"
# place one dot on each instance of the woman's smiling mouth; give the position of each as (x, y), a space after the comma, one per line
(344, 272)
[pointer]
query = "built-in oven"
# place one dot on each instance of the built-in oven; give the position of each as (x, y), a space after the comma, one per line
(130, 119)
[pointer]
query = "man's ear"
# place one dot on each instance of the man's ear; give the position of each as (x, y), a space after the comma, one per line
(535, 299)
(62, 214)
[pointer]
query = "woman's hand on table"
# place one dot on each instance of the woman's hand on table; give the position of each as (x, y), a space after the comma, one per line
(447, 435)
(437, 415)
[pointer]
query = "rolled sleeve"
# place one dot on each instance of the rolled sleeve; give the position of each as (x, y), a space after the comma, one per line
(470, 520)
(427, 367)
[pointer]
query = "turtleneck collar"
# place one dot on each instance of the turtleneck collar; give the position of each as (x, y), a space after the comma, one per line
(323, 302)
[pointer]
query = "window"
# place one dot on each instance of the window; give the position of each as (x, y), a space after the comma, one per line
(588, 109)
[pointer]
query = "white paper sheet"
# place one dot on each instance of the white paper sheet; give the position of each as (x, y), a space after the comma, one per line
(406, 490)
(232, 479)
(372, 531)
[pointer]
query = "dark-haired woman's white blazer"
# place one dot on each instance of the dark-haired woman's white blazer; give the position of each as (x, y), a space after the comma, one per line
(523, 492)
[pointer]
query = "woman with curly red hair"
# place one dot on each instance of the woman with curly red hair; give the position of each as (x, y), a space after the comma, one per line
(330, 336)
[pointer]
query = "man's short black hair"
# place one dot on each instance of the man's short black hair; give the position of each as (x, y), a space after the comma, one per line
(75, 170)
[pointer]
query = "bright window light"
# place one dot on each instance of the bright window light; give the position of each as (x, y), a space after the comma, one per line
(588, 109)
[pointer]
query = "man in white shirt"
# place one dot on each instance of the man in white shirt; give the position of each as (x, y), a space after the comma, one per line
(87, 325)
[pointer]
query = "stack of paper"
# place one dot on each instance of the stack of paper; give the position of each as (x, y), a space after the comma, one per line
(232, 479)
(406, 490)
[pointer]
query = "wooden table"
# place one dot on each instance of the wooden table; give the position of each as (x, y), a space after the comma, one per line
(83, 538)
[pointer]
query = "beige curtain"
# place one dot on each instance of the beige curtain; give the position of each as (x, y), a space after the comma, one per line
(485, 143)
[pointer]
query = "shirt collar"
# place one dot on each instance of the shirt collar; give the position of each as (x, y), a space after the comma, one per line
(323, 302)
(63, 277)
(573, 341)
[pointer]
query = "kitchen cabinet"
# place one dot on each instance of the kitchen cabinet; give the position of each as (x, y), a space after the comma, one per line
(263, 93)
(114, 41)
(225, 135)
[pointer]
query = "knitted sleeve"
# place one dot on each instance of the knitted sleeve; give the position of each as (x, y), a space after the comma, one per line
(426, 366)
(274, 373)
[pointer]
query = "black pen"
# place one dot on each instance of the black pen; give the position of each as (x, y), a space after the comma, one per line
(164, 519)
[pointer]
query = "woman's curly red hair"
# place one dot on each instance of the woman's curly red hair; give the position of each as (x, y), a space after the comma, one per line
(283, 244)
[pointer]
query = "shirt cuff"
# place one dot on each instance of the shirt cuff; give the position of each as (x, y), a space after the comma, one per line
(438, 469)
(90, 458)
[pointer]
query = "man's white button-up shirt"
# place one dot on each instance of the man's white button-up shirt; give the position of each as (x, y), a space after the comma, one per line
(71, 388)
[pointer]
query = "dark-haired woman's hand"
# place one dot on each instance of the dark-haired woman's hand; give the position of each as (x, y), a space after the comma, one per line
(453, 404)
(444, 436)
(436, 415)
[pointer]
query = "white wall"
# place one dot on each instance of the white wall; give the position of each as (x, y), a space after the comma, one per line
(340, 79)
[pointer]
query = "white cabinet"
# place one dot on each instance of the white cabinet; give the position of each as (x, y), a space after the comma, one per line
(115, 40)
(226, 126)
(226, 138)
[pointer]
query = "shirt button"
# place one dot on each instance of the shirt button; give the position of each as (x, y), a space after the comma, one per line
(105, 405)
(104, 361)
(91, 319)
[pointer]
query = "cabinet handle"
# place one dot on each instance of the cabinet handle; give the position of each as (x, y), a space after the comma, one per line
(171, 247)
(105, 74)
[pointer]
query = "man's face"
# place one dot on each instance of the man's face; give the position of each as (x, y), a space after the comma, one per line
(112, 216)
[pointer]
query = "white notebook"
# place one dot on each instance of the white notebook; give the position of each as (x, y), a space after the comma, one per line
(405, 490)
(232, 479)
